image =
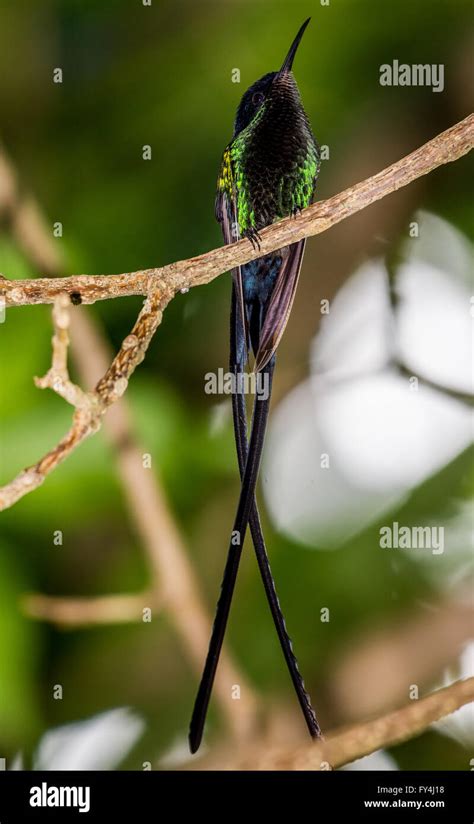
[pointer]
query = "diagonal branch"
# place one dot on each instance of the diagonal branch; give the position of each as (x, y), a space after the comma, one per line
(448, 146)
(87, 417)
(160, 286)
(362, 739)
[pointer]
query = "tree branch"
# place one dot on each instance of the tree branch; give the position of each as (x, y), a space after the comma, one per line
(160, 286)
(360, 740)
(91, 407)
(445, 148)
(71, 613)
(57, 377)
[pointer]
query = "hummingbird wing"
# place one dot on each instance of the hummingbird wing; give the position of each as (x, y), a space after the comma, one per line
(279, 306)
(226, 215)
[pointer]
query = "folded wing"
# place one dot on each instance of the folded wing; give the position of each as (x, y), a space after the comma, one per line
(279, 305)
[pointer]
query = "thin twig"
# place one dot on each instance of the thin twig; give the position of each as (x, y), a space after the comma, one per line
(373, 670)
(87, 417)
(57, 377)
(448, 146)
(355, 742)
(71, 612)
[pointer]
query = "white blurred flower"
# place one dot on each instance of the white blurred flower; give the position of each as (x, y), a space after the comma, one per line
(356, 338)
(219, 417)
(353, 440)
(460, 724)
(454, 566)
(98, 743)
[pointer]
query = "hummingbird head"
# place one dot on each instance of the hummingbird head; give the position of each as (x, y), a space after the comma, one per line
(274, 96)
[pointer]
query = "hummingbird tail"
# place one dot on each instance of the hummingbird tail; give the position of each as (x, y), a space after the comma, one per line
(247, 512)
(240, 431)
(246, 500)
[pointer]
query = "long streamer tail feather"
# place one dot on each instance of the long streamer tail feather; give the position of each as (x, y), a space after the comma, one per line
(246, 499)
(240, 431)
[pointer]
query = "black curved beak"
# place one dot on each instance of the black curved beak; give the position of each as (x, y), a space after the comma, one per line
(288, 62)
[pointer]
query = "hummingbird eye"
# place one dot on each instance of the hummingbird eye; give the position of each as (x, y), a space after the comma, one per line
(258, 98)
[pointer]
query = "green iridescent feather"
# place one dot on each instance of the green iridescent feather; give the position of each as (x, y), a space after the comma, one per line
(295, 190)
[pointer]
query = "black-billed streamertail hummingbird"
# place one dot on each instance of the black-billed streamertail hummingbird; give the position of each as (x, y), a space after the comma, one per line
(268, 172)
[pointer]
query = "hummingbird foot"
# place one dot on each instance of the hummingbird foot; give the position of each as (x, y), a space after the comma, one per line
(254, 237)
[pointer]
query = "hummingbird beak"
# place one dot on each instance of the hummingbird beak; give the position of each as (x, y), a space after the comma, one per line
(288, 62)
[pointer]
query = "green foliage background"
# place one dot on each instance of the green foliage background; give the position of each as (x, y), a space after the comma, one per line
(161, 75)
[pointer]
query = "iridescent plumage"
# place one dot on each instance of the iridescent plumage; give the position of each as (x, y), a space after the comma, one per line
(268, 172)
(269, 169)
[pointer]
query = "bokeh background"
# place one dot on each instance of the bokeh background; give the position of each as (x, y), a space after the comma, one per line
(399, 305)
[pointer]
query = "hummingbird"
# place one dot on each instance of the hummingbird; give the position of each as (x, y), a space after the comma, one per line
(268, 172)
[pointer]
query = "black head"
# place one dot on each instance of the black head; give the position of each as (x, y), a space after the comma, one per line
(271, 88)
